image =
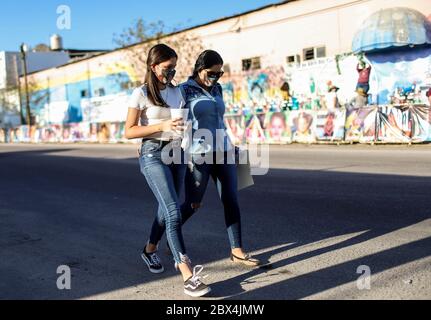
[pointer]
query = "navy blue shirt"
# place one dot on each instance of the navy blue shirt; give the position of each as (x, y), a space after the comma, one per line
(207, 111)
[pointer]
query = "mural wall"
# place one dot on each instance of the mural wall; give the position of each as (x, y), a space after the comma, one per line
(87, 100)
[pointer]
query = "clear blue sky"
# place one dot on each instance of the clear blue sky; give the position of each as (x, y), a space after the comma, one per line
(94, 22)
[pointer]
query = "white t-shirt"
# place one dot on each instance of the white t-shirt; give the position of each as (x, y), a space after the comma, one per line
(152, 114)
(331, 100)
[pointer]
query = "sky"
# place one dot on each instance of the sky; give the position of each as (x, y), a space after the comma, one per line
(94, 22)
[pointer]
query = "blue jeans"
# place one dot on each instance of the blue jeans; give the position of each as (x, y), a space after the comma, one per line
(227, 175)
(364, 86)
(165, 180)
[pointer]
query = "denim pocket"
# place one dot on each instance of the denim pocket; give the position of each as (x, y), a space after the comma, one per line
(149, 148)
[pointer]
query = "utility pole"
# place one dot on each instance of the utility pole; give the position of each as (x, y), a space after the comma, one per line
(89, 96)
(18, 82)
(23, 50)
(48, 98)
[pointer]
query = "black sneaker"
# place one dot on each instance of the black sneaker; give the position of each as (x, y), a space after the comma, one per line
(153, 262)
(194, 287)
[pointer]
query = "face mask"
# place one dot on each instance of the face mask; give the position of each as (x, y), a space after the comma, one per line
(213, 77)
(213, 80)
(168, 75)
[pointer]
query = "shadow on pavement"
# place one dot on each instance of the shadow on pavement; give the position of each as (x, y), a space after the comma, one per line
(95, 215)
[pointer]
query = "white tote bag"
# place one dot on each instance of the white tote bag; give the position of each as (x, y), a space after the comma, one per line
(244, 177)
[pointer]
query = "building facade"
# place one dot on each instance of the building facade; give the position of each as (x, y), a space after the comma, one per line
(259, 47)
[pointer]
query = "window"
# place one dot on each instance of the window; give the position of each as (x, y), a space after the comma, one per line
(84, 94)
(251, 64)
(320, 52)
(294, 59)
(246, 64)
(308, 54)
(255, 63)
(314, 53)
(99, 92)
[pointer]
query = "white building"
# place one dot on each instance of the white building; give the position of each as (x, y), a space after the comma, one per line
(258, 48)
(297, 30)
(11, 64)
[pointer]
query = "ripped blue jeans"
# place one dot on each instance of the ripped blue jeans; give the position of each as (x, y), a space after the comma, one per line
(165, 181)
(194, 193)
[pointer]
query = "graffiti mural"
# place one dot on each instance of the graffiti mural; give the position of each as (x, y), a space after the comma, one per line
(276, 127)
(303, 126)
(330, 125)
(360, 124)
(400, 75)
(308, 102)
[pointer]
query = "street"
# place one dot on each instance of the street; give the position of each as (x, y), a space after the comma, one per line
(321, 216)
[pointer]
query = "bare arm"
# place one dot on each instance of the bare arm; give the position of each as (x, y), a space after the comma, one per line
(135, 131)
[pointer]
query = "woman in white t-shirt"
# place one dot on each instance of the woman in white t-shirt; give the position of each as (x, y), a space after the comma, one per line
(151, 105)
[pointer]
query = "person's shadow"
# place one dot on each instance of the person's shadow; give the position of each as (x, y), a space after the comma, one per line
(360, 216)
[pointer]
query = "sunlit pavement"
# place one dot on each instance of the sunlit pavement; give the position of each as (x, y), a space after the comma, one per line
(323, 217)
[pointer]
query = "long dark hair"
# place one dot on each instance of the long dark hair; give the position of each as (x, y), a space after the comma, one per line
(158, 54)
(206, 60)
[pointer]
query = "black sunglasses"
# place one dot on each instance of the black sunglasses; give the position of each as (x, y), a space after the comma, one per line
(213, 74)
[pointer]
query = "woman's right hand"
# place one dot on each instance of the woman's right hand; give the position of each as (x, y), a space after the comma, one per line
(176, 125)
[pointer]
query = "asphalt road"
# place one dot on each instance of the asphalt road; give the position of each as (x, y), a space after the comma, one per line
(319, 216)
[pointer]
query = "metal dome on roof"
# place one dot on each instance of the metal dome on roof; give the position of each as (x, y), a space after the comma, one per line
(393, 27)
